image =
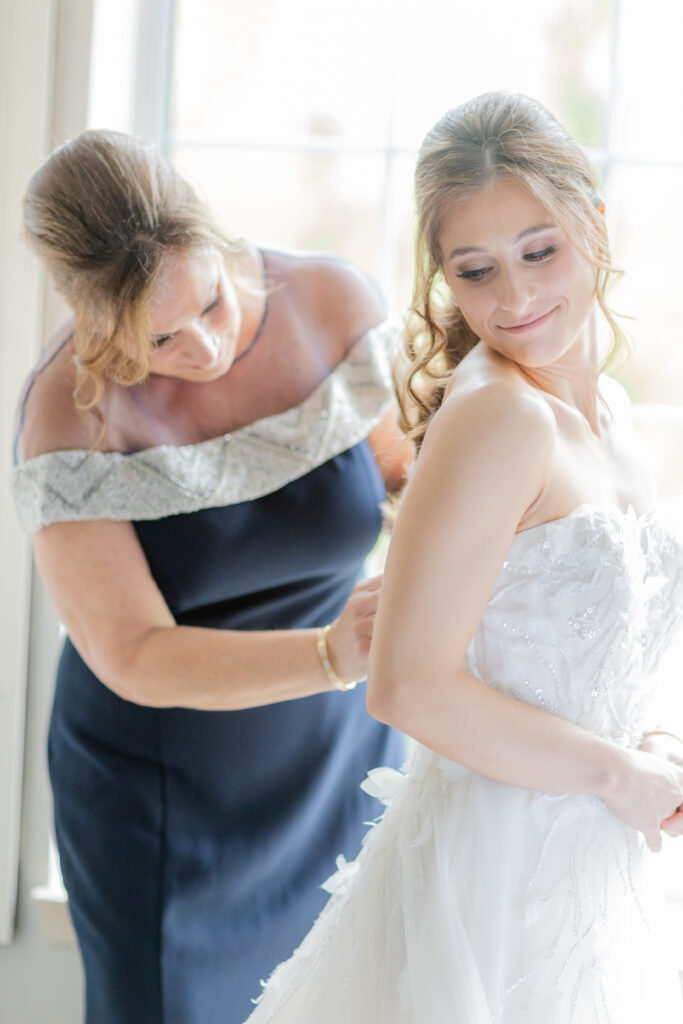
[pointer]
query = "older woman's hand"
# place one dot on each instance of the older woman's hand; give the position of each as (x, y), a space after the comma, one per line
(348, 641)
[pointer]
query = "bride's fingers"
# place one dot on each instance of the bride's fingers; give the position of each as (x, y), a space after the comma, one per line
(654, 840)
(673, 826)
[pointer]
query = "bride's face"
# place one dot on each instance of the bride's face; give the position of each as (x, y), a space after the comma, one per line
(521, 285)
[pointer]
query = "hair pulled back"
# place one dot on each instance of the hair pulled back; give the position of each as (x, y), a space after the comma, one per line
(493, 136)
(101, 213)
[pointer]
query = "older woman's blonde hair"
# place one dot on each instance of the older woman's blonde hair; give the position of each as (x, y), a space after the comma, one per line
(493, 136)
(101, 213)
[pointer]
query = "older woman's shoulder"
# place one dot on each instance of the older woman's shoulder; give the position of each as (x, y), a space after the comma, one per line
(337, 298)
(47, 417)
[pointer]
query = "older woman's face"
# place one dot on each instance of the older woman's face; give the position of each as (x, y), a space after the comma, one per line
(195, 317)
(522, 287)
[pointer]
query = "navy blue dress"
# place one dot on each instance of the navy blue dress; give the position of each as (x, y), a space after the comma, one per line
(193, 843)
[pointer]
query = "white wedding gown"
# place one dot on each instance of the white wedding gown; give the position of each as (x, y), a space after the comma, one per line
(474, 902)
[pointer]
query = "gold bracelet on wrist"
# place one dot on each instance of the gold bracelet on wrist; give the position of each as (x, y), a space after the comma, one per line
(323, 654)
(662, 732)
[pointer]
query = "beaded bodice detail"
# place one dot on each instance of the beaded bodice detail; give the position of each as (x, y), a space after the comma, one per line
(581, 613)
(237, 467)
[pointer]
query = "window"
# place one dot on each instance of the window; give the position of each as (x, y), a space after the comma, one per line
(301, 123)
(304, 130)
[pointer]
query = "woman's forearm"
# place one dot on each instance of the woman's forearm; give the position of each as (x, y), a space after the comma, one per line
(500, 737)
(215, 669)
(118, 620)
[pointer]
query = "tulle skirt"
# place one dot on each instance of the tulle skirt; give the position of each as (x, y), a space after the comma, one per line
(474, 902)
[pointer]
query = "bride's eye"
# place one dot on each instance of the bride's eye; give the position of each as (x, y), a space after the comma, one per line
(474, 275)
(540, 254)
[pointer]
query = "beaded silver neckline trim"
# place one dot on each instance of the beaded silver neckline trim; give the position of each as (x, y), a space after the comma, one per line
(247, 464)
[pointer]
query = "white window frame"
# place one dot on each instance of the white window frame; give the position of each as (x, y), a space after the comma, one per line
(26, 67)
(46, 69)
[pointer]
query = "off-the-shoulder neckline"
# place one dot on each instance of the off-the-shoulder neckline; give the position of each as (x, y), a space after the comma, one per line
(250, 428)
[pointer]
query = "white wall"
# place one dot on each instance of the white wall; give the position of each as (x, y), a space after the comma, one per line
(44, 64)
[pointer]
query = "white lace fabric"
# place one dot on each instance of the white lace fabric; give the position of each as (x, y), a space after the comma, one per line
(241, 466)
(481, 903)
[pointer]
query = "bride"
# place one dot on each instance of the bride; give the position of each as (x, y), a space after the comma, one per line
(528, 595)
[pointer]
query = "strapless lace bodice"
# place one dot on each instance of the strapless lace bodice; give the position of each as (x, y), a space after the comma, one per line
(580, 615)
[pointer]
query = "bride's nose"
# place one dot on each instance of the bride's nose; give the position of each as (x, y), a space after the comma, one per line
(515, 290)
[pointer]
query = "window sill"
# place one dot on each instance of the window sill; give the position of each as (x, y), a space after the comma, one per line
(55, 913)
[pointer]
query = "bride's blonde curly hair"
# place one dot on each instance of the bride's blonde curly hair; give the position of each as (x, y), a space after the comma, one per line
(492, 136)
(101, 213)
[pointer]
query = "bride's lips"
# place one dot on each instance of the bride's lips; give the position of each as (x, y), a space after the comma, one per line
(525, 325)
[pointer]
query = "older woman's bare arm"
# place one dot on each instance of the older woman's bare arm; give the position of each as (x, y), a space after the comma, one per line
(98, 578)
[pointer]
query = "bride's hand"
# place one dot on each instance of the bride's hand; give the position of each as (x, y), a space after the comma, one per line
(673, 826)
(648, 795)
(668, 746)
(664, 744)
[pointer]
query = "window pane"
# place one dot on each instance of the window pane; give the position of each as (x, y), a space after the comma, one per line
(399, 268)
(646, 221)
(282, 69)
(557, 53)
(291, 68)
(293, 200)
(650, 81)
(660, 429)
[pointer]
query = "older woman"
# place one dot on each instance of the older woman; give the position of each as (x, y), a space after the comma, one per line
(202, 456)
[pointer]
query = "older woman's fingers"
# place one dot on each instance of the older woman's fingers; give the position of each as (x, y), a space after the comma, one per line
(371, 584)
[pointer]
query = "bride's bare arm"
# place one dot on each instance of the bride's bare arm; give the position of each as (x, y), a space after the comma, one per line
(485, 460)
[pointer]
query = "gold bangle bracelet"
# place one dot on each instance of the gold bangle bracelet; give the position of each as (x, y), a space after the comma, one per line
(323, 654)
(662, 732)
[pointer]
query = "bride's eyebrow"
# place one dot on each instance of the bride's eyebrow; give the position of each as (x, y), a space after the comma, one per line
(464, 250)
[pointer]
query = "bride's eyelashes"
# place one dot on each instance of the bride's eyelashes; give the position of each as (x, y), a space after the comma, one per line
(474, 275)
(537, 256)
(541, 254)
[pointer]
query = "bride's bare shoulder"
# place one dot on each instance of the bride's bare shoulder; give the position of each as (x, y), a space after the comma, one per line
(494, 439)
(490, 391)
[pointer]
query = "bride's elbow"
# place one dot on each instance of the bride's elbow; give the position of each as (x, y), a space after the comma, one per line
(386, 700)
